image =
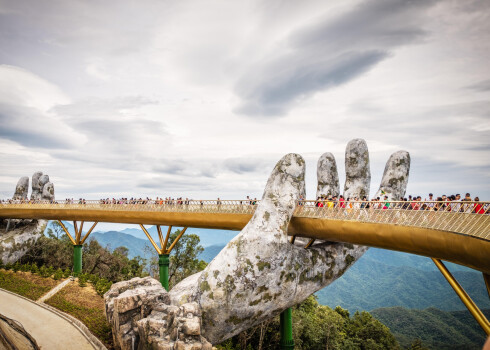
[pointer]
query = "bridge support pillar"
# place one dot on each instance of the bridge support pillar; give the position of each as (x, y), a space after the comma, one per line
(163, 262)
(287, 341)
(465, 298)
(77, 259)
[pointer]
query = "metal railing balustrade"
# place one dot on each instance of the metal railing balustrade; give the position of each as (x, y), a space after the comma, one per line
(464, 217)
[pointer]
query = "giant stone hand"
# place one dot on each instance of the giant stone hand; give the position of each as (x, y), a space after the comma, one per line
(259, 273)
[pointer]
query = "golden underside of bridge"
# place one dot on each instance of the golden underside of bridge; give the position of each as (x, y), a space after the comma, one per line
(469, 250)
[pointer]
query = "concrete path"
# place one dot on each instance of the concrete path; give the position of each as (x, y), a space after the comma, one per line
(49, 330)
(54, 291)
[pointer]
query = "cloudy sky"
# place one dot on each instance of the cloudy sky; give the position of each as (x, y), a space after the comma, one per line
(201, 98)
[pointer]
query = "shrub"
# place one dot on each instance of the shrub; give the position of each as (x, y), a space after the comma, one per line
(67, 273)
(93, 279)
(34, 268)
(82, 279)
(102, 286)
(50, 271)
(58, 274)
(44, 271)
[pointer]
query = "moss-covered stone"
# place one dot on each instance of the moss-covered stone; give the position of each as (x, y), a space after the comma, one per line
(263, 264)
(229, 284)
(204, 286)
(290, 277)
(349, 259)
(262, 289)
(255, 302)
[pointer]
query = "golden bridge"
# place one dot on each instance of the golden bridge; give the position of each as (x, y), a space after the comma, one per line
(458, 232)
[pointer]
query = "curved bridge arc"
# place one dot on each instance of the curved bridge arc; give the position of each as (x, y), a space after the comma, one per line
(432, 237)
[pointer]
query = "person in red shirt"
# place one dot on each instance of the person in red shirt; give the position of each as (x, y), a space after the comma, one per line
(342, 201)
(478, 208)
(319, 202)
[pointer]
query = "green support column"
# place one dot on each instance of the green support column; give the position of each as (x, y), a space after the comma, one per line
(163, 262)
(77, 259)
(287, 341)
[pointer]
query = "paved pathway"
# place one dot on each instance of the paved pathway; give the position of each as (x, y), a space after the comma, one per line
(54, 291)
(50, 330)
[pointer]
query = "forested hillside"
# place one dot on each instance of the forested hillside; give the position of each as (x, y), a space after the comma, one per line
(437, 329)
(374, 282)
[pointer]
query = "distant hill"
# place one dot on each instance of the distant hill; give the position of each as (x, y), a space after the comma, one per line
(437, 329)
(393, 258)
(208, 237)
(373, 283)
(210, 252)
(114, 239)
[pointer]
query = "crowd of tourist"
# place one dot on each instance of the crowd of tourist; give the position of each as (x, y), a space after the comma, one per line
(452, 203)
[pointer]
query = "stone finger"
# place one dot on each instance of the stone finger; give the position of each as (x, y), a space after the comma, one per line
(284, 187)
(328, 177)
(395, 176)
(357, 169)
(37, 188)
(22, 188)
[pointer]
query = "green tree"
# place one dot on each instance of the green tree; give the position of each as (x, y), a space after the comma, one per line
(318, 327)
(368, 333)
(55, 230)
(417, 345)
(184, 259)
(56, 251)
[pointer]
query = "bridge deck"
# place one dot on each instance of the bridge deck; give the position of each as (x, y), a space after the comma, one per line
(457, 232)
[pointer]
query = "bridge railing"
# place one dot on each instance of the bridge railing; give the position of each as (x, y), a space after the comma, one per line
(472, 218)
(194, 206)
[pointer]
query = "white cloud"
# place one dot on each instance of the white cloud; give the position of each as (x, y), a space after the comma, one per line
(139, 99)
(20, 87)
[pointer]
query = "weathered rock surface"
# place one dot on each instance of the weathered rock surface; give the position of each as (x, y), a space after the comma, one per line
(18, 236)
(328, 177)
(395, 176)
(14, 336)
(42, 188)
(22, 188)
(43, 180)
(15, 243)
(141, 316)
(48, 192)
(357, 170)
(259, 273)
(37, 189)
